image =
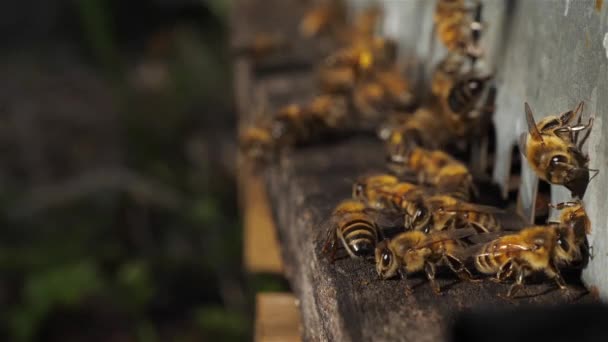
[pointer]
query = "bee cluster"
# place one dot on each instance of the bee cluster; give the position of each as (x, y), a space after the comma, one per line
(358, 82)
(422, 213)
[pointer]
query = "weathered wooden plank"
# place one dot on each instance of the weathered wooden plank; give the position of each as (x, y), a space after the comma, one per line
(261, 249)
(277, 318)
(345, 301)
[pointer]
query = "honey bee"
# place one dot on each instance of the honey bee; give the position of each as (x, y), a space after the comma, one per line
(256, 143)
(352, 224)
(364, 55)
(456, 28)
(364, 188)
(385, 91)
(290, 125)
(328, 111)
(461, 105)
(294, 123)
(555, 159)
(422, 128)
(415, 251)
(533, 249)
(322, 19)
(438, 169)
(444, 74)
(444, 212)
(573, 215)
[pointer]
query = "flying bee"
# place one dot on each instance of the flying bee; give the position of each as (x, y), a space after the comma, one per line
(457, 29)
(256, 143)
(533, 249)
(555, 159)
(415, 251)
(352, 224)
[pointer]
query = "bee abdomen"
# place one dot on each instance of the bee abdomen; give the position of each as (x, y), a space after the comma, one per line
(359, 237)
(485, 261)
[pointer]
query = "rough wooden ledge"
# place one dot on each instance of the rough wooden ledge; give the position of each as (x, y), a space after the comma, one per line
(345, 301)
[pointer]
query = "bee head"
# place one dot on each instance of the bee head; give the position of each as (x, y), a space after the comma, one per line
(386, 261)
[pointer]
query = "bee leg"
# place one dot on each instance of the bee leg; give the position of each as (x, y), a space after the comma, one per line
(458, 267)
(429, 269)
(403, 275)
(505, 271)
(579, 144)
(553, 272)
(519, 283)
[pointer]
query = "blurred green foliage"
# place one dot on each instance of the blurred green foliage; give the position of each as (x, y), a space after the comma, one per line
(138, 271)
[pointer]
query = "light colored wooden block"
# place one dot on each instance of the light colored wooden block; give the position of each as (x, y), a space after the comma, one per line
(277, 318)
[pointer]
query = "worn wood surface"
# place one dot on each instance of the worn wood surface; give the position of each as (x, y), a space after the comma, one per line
(276, 318)
(344, 301)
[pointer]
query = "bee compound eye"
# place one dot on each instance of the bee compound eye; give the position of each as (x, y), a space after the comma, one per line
(386, 258)
(559, 159)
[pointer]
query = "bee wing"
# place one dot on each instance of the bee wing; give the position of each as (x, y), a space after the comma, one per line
(508, 249)
(386, 218)
(511, 220)
(452, 234)
(482, 238)
(480, 208)
(521, 143)
(532, 129)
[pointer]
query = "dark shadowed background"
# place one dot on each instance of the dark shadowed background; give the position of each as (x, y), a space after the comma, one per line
(119, 217)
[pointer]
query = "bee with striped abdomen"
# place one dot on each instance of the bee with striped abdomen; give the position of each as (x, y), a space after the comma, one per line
(415, 251)
(353, 226)
(533, 249)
